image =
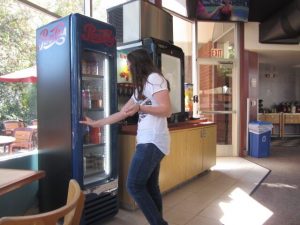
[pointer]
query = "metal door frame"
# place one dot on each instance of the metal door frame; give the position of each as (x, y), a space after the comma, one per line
(229, 150)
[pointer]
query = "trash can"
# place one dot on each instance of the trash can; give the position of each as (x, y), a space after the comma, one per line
(259, 138)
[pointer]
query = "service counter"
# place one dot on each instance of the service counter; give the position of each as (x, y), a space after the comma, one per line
(193, 151)
(275, 119)
(282, 121)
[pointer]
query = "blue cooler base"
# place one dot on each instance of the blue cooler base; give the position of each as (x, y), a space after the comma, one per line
(259, 144)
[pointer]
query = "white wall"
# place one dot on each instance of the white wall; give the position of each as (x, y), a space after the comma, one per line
(182, 34)
(297, 83)
(285, 86)
(281, 88)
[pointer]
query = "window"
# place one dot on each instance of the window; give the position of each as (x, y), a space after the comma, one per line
(61, 7)
(100, 7)
(177, 6)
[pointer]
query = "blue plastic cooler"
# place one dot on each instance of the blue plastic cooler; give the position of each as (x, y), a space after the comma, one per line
(259, 144)
(259, 138)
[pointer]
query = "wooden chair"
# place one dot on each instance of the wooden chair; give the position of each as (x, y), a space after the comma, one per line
(34, 126)
(34, 122)
(70, 213)
(24, 139)
(10, 125)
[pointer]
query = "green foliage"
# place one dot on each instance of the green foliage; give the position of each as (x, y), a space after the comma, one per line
(66, 7)
(17, 51)
(18, 101)
(18, 23)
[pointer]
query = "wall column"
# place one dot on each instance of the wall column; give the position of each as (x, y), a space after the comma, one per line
(156, 2)
(195, 77)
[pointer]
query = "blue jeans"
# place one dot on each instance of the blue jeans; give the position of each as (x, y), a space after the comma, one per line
(142, 182)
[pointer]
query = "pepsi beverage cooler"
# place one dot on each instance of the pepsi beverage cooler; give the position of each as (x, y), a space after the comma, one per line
(168, 58)
(76, 61)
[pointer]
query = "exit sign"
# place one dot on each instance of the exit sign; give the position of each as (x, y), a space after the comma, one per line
(216, 52)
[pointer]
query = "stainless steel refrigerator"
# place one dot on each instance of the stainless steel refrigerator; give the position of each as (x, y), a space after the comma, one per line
(76, 61)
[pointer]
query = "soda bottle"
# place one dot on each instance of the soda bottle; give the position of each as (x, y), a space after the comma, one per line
(83, 67)
(84, 99)
(89, 99)
(86, 136)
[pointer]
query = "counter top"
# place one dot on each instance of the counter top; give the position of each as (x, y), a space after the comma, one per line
(278, 113)
(11, 179)
(131, 129)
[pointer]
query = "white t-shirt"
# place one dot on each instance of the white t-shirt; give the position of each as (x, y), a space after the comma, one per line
(153, 129)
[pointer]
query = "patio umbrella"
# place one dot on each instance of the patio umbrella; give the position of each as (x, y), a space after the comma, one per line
(28, 75)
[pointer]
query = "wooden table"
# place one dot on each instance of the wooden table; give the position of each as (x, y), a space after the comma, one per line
(6, 141)
(282, 120)
(11, 179)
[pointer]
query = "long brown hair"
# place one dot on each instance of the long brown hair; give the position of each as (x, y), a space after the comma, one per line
(141, 66)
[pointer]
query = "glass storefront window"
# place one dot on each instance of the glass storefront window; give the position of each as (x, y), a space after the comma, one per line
(18, 24)
(224, 41)
(217, 41)
(177, 6)
(100, 7)
(61, 7)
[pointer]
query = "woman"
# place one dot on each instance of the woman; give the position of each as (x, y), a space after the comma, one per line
(226, 10)
(202, 12)
(151, 100)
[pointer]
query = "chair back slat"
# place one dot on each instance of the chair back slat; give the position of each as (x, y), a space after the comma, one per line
(70, 213)
(23, 135)
(24, 139)
(11, 125)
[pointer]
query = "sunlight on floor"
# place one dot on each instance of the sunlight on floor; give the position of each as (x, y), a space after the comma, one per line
(279, 185)
(227, 166)
(242, 209)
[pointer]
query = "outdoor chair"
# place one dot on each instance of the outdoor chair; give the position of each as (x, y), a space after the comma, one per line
(34, 122)
(24, 139)
(34, 126)
(10, 125)
(70, 213)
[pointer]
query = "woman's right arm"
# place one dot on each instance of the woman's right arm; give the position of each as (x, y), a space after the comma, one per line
(127, 110)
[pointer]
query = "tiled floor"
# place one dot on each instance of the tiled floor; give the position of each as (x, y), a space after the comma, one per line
(221, 196)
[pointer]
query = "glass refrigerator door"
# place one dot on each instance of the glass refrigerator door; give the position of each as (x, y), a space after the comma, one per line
(95, 104)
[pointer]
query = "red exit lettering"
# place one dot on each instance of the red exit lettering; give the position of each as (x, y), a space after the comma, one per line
(216, 52)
